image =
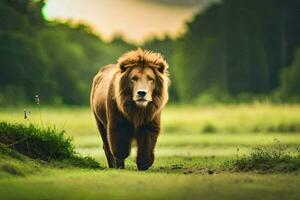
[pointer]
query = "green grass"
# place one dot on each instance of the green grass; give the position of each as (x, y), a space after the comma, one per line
(48, 145)
(124, 184)
(13, 163)
(43, 144)
(252, 118)
(244, 118)
(272, 158)
(202, 153)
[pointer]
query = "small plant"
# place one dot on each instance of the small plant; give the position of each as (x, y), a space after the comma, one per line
(273, 158)
(209, 128)
(37, 101)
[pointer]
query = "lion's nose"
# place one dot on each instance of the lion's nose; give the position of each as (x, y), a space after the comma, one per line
(141, 93)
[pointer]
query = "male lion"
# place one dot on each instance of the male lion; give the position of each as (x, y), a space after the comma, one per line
(127, 99)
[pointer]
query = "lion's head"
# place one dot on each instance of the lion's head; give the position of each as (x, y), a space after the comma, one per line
(141, 84)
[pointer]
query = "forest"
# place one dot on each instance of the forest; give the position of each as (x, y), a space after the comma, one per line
(234, 51)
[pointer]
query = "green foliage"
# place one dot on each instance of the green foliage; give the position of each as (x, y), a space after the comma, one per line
(237, 47)
(37, 143)
(6, 151)
(209, 128)
(41, 144)
(55, 60)
(12, 95)
(273, 158)
(213, 96)
(234, 46)
(290, 76)
(82, 162)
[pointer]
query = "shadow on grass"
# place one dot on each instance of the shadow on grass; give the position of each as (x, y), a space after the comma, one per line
(275, 158)
(179, 165)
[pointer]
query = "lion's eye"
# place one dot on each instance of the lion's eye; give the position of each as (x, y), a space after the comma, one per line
(150, 78)
(135, 78)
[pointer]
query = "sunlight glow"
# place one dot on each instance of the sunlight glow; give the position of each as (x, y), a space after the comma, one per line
(134, 19)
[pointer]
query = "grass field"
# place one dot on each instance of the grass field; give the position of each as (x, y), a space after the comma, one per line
(190, 160)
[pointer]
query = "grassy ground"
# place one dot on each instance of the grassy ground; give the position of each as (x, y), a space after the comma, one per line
(190, 156)
(111, 184)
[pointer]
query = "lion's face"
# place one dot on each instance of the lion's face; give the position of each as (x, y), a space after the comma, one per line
(142, 84)
(141, 81)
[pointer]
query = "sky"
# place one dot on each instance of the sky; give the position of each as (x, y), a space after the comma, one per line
(136, 20)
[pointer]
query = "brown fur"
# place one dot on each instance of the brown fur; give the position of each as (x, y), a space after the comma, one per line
(118, 118)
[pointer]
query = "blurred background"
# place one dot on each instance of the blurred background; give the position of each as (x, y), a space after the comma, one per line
(234, 98)
(243, 55)
(226, 51)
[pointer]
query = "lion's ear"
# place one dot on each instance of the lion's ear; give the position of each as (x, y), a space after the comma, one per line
(122, 67)
(163, 66)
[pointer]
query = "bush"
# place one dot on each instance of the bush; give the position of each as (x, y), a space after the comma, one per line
(274, 158)
(36, 143)
(209, 128)
(42, 144)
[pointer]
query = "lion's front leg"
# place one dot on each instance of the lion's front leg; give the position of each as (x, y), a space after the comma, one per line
(146, 140)
(120, 144)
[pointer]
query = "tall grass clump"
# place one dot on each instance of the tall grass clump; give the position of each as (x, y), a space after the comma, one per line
(47, 144)
(273, 158)
(209, 128)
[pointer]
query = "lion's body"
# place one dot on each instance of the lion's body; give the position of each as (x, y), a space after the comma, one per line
(118, 118)
(100, 90)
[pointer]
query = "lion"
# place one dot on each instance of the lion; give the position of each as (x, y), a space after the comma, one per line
(127, 99)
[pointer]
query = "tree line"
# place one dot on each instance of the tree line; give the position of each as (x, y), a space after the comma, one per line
(238, 49)
(52, 59)
(235, 49)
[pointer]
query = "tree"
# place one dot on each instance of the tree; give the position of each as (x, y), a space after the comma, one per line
(237, 46)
